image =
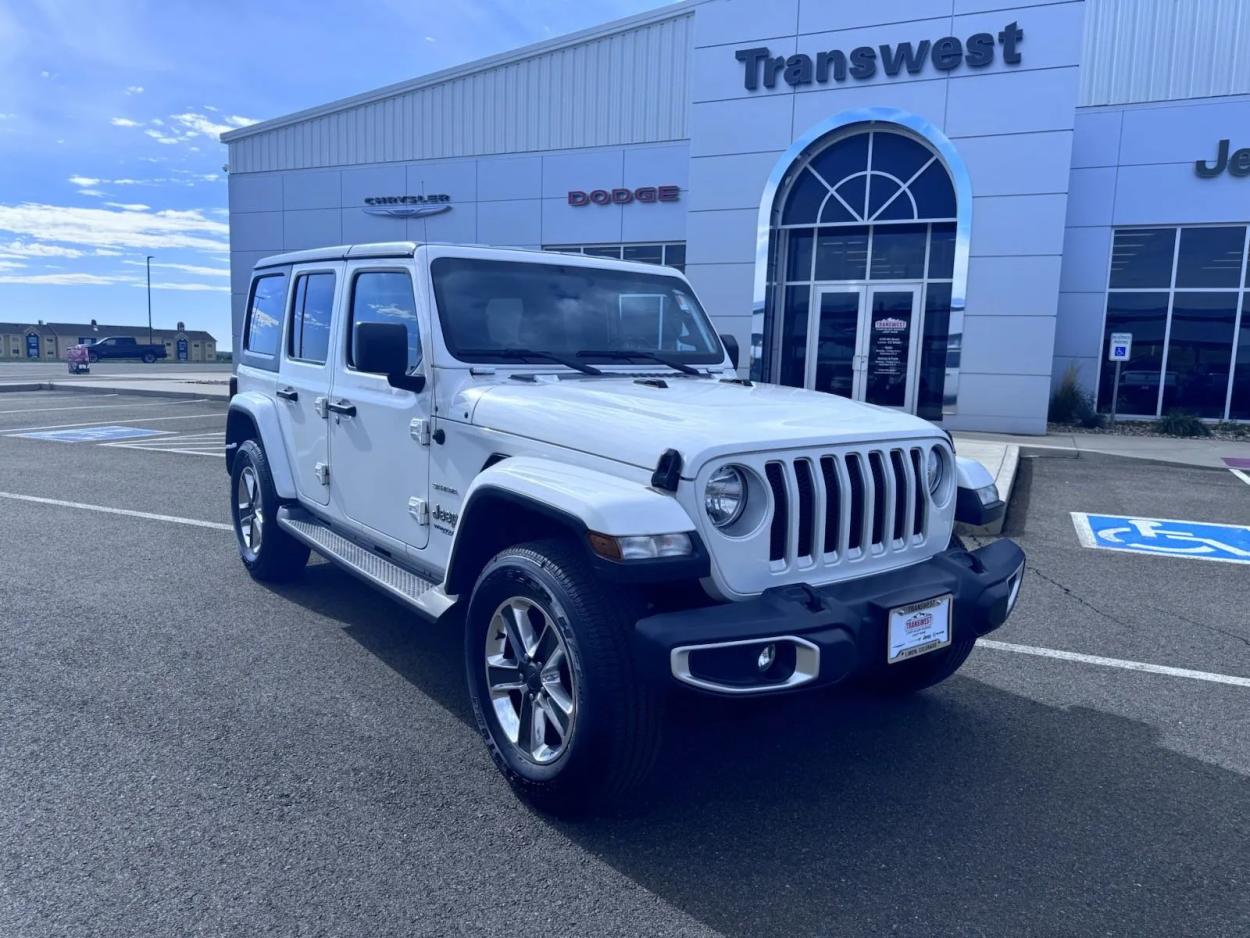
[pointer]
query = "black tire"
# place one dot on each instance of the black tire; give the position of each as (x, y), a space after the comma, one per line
(92, 357)
(614, 732)
(274, 555)
(148, 358)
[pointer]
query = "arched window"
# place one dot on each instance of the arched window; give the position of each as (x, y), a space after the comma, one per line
(870, 177)
(867, 205)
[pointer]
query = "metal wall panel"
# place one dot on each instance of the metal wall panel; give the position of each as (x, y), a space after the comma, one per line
(627, 87)
(1160, 50)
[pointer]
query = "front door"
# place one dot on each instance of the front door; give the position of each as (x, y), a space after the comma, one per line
(379, 467)
(863, 343)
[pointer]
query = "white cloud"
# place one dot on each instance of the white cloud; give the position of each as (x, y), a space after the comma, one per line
(84, 181)
(45, 74)
(108, 228)
(91, 192)
(29, 249)
(7, 117)
(106, 252)
(190, 287)
(129, 206)
(11, 265)
(124, 122)
(66, 279)
(430, 39)
(203, 124)
(134, 89)
(186, 268)
(160, 137)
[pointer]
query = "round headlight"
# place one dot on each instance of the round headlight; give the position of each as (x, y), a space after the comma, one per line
(725, 496)
(934, 469)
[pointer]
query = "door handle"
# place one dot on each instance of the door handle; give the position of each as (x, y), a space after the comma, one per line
(287, 394)
(343, 408)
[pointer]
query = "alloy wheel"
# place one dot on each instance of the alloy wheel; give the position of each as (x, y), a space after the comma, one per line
(251, 515)
(530, 679)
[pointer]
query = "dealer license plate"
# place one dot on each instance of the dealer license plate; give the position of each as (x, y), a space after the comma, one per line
(918, 629)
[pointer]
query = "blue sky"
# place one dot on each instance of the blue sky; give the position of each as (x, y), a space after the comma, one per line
(110, 111)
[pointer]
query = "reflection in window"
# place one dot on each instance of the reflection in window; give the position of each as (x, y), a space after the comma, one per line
(1145, 316)
(1200, 347)
(794, 337)
(1210, 257)
(1198, 270)
(933, 341)
(1240, 407)
(309, 335)
(264, 318)
(1142, 257)
(385, 296)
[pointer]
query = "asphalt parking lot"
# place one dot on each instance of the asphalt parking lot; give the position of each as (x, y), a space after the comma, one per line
(186, 752)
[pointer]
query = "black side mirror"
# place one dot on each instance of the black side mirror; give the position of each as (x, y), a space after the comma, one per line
(731, 346)
(382, 349)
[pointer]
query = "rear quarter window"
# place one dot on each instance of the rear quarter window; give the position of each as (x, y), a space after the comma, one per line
(263, 329)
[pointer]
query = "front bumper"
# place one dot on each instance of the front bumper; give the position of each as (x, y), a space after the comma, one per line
(822, 635)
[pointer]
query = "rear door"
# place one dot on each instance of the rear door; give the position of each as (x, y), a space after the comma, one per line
(304, 376)
(380, 467)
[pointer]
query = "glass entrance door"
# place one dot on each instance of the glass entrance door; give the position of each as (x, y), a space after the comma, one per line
(863, 343)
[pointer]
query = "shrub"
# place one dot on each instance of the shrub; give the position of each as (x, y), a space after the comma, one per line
(1180, 423)
(1229, 428)
(1072, 404)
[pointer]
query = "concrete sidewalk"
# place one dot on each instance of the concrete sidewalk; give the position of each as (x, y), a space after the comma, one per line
(1187, 452)
(209, 385)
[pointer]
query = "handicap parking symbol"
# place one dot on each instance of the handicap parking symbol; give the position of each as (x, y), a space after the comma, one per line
(1164, 537)
(91, 434)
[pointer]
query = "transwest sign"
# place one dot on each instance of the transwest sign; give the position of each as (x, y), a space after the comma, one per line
(408, 206)
(760, 66)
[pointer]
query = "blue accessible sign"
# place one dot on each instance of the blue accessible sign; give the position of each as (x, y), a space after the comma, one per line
(1164, 537)
(91, 434)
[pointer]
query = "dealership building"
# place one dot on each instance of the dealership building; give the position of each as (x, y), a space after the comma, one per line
(938, 205)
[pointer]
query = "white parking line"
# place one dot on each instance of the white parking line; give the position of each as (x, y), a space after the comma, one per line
(208, 443)
(1241, 475)
(1115, 663)
(147, 515)
(11, 431)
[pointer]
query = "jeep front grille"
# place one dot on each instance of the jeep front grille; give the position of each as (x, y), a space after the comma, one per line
(832, 507)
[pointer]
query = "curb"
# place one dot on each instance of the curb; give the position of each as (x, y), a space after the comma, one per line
(107, 389)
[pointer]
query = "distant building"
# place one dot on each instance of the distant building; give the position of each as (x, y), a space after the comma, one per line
(50, 341)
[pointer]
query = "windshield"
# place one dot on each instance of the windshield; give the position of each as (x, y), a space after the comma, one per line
(488, 307)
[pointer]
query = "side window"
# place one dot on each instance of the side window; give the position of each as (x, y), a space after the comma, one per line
(309, 335)
(384, 296)
(264, 317)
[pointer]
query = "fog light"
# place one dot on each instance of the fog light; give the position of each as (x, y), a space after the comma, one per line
(767, 657)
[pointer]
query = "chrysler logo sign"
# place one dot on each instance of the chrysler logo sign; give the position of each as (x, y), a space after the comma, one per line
(407, 206)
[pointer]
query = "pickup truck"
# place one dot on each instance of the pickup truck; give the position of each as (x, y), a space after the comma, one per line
(561, 450)
(124, 346)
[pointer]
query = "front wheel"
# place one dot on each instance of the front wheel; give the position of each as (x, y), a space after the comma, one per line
(552, 681)
(268, 552)
(92, 357)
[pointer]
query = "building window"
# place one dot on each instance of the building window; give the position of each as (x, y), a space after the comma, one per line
(672, 254)
(1181, 292)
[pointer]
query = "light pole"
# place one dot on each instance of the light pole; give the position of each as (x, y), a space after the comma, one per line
(149, 266)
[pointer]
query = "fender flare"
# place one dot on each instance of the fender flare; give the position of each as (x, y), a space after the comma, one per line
(973, 477)
(263, 414)
(574, 497)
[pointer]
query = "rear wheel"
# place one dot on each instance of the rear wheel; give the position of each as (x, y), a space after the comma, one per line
(268, 552)
(552, 680)
(148, 358)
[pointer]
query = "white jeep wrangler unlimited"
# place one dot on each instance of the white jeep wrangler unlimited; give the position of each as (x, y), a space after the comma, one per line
(562, 446)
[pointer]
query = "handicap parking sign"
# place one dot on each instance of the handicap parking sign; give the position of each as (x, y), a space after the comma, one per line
(1164, 537)
(91, 434)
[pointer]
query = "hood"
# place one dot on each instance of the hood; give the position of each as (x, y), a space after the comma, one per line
(701, 418)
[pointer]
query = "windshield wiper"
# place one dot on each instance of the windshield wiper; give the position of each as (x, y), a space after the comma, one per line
(626, 354)
(518, 354)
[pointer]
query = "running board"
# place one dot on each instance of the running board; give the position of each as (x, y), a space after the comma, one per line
(409, 588)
